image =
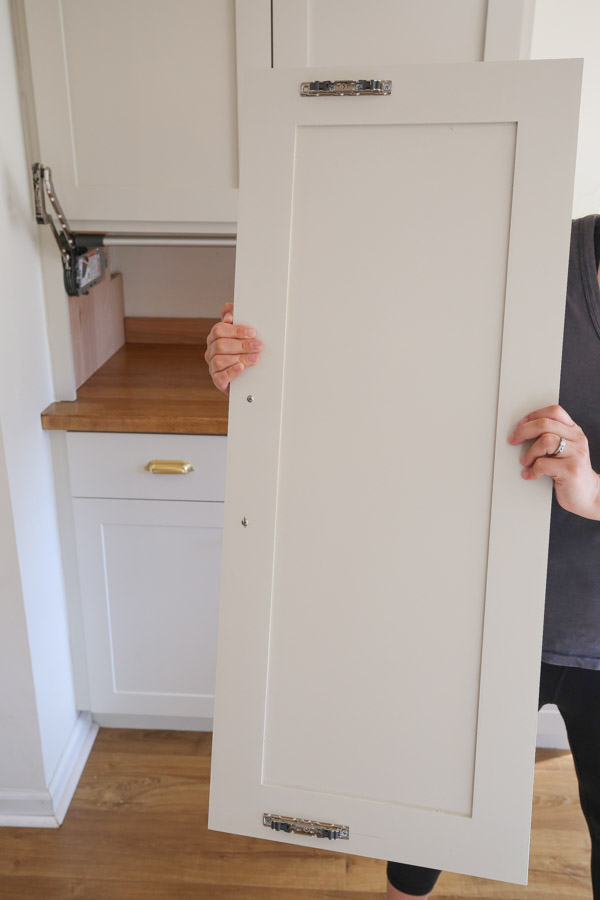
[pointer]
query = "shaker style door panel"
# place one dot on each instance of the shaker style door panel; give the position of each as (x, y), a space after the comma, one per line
(384, 564)
(136, 105)
(149, 573)
(390, 32)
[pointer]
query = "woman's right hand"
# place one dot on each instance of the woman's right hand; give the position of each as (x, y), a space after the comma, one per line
(229, 349)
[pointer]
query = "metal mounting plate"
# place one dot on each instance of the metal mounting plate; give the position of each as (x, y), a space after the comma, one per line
(360, 87)
(291, 825)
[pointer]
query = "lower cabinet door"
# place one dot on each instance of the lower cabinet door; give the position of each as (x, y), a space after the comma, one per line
(149, 574)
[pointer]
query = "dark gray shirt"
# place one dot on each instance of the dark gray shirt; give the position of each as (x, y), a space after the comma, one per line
(572, 616)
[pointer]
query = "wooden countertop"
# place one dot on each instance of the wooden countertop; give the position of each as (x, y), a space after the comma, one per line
(158, 388)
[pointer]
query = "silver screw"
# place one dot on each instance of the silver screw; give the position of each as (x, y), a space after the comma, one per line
(245, 522)
(250, 398)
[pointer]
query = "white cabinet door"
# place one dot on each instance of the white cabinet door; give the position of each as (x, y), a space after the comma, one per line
(149, 573)
(352, 32)
(136, 106)
(404, 260)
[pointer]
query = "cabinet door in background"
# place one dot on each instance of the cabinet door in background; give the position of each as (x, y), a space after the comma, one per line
(149, 573)
(136, 106)
(391, 32)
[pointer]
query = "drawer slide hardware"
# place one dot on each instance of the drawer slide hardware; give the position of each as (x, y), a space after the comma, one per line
(168, 467)
(360, 88)
(289, 825)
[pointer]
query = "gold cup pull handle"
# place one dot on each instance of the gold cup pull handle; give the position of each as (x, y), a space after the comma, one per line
(169, 467)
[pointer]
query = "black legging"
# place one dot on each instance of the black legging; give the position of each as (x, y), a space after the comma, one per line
(576, 692)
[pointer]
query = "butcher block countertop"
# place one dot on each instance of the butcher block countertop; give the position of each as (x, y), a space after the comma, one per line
(146, 387)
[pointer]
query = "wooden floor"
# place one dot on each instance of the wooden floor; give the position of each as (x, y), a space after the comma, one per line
(136, 830)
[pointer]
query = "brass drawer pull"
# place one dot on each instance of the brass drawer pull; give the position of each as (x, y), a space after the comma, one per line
(169, 467)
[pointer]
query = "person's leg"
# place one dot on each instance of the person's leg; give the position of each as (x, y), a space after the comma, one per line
(578, 699)
(409, 881)
(550, 679)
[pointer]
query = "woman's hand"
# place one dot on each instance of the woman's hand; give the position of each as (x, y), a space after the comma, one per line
(229, 349)
(576, 484)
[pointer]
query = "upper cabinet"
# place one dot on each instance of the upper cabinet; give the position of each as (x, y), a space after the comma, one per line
(136, 106)
(390, 32)
(136, 101)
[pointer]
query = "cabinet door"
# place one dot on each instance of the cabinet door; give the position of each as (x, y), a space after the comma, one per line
(149, 573)
(381, 610)
(136, 106)
(390, 32)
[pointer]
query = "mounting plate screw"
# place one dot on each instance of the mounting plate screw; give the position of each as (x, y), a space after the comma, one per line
(250, 398)
(245, 522)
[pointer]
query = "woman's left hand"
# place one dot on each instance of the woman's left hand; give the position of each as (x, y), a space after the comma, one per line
(576, 485)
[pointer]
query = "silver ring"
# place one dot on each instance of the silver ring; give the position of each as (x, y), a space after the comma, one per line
(560, 448)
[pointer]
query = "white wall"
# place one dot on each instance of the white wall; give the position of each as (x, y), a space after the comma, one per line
(175, 281)
(571, 28)
(20, 749)
(32, 614)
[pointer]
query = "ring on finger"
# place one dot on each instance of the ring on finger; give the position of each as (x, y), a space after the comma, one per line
(561, 446)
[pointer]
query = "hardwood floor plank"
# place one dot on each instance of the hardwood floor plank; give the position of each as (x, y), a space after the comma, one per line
(61, 889)
(137, 828)
(134, 740)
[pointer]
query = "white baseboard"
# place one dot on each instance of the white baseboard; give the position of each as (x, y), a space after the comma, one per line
(163, 723)
(71, 764)
(18, 804)
(551, 729)
(47, 808)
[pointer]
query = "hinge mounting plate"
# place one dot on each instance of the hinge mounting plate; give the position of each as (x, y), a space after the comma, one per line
(351, 88)
(291, 825)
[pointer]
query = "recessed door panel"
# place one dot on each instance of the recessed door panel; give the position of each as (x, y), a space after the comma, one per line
(435, 361)
(149, 573)
(339, 32)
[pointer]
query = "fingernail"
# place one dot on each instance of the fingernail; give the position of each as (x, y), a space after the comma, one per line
(511, 438)
(250, 332)
(256, 345)
(252, 357)
(521, 421)
(522, 460)
(525, 473)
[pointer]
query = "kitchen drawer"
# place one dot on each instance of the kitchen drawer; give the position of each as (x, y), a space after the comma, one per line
(112, 465)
